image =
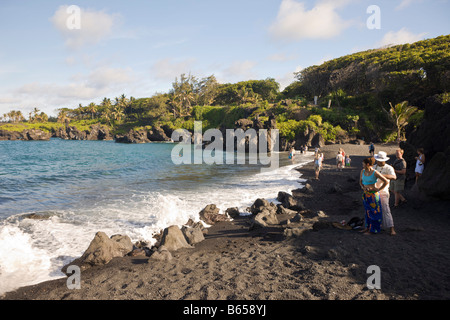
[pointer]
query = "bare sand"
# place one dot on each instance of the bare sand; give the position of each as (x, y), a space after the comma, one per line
(328, 263)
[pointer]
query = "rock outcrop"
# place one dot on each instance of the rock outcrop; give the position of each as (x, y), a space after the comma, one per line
(433, 135)
(27, 135)
(35, 134)
(133, 137)
(210, 215)
(173, 239)
(102, 250)
(435, 181)
(289, 202)
(156, 134)
(95, 132)
(264, 214)
(193, 234)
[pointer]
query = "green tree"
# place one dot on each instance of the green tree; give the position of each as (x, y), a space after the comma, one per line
(63, 116)
(117, 114)
(183, 94)
(400, 114)
(92, 108)
(207, 90)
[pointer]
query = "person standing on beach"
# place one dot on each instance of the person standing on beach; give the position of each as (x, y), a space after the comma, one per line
(420, 161)
(388, 172)
(372, 149)
(291, 153)
(318, 158)
(343, 156)
(398, 185)
(371, 196)
(347, 160)
(339, 161)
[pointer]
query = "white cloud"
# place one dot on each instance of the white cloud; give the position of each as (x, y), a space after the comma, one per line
(81, 88)
(94, 26)
(285, 80)
(405, 3)
(238, 71)
(169, 43)
(400, 37)
(294, 22)
(107, 77)
(167, 69)
(281, 57)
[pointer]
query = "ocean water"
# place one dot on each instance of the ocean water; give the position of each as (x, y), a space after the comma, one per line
(89, 186)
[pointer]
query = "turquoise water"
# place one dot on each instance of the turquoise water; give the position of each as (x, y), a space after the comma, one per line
(89, 186)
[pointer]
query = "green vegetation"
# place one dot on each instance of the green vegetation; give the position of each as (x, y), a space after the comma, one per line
(373, 94)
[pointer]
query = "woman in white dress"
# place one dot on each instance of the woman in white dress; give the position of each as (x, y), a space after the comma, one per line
(420, 161)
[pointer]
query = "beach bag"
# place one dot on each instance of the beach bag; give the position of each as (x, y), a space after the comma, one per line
(355, 223)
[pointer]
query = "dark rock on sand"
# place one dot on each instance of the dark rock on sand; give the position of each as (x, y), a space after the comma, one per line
(262, 204)
(307, 189)
(193, 234)
(210, 215)
(289, 202)
(295, 232)
(233, 212)
(138, 252)
(173, 239)
(162, 254)
(283, 210)
(263, 219)
(101, 250)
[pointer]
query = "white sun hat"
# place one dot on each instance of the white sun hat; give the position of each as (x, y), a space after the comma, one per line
(381, 156)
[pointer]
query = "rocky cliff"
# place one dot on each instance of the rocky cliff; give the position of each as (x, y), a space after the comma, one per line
(433, 135)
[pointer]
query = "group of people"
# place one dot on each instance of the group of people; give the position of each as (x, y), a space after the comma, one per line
(342, 160)
(292, 151)
(376, 179)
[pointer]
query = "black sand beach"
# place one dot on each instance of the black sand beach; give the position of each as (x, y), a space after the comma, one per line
(321, 263)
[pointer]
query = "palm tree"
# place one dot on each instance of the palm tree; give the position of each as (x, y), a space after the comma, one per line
(117, 113)
(79, 112)
(176, 106)
(35, 113)
(107, 115)
(400, 114)
(42, 117)
(92, 108)
(122, 101)
(15, 116)
(63, 117)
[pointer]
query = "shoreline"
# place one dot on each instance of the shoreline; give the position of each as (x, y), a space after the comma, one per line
(324, 262)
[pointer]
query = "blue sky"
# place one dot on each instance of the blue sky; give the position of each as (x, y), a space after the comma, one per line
(138, 47)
